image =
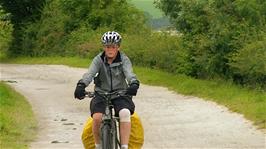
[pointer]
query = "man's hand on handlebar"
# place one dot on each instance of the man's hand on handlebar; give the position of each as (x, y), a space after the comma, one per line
(80, 91)
(132, 89)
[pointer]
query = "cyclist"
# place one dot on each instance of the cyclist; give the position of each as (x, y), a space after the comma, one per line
(111, 71)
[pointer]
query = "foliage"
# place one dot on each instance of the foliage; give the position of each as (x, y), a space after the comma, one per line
(70, 27)
(6, 29)
(156, 50)
(45, 36)
(22, 12)
(249, 62)
(211, 40)
(215, 32)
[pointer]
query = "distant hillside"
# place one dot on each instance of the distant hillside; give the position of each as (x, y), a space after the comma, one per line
(148, 6)
(156, 18)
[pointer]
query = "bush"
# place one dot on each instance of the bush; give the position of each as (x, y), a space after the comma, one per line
(6, 29)
(158, 50)
(83, 42)
(249, 63)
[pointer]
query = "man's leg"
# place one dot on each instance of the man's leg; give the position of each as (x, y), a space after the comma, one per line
(97, 118)
(125, 127)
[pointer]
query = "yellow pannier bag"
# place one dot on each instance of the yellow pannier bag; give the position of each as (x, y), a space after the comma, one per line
(136, 135)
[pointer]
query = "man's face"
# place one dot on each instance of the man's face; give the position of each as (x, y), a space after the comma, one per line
(111, 50)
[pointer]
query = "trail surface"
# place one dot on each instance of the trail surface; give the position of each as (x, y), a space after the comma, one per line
(170, 120)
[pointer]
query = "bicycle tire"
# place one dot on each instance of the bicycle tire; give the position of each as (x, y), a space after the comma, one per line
(107, 142)
(114, 135)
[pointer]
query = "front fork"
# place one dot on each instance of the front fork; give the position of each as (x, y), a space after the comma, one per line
(114, 131)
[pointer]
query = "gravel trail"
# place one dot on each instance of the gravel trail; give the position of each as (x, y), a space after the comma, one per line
(170, 120)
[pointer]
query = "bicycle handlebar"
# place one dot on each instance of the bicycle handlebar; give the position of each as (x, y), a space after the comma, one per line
(89, 94)
(106, 94)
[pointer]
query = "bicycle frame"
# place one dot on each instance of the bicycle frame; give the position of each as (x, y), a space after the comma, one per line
(109, 134)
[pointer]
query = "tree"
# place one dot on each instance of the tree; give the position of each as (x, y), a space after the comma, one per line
(6, 29)
(214, 30)
(22, 12)
(67, 21)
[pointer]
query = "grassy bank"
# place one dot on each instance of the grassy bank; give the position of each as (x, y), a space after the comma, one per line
(17, 122)
(70, 61)
(250, 103)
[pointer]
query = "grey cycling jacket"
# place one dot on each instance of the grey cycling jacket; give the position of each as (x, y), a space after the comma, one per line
(110, 77)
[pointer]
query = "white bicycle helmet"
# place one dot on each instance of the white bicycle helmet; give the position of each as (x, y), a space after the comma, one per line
(111, 37)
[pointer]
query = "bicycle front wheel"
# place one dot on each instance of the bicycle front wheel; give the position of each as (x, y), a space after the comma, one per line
(107, 138)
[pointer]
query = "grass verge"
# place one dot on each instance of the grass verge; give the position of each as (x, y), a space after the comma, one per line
(70, 61)
(250, 103)
(17, 122)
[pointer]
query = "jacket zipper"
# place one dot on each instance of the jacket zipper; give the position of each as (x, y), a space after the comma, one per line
(111, 78)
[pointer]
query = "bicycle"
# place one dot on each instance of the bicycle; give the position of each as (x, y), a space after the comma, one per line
(109, 133)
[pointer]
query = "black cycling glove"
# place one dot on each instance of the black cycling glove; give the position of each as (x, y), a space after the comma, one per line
(80, 90)
(132, 89)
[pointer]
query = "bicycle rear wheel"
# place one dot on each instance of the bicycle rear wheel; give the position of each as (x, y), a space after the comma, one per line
(107, 138)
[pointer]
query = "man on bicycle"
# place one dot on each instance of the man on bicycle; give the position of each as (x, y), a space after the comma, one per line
(111, 71)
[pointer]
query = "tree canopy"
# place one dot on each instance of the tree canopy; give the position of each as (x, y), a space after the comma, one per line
(224, 37)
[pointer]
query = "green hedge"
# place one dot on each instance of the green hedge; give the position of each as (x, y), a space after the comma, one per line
(215, 39)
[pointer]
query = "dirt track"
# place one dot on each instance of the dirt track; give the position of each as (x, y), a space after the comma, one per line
(170, 120)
